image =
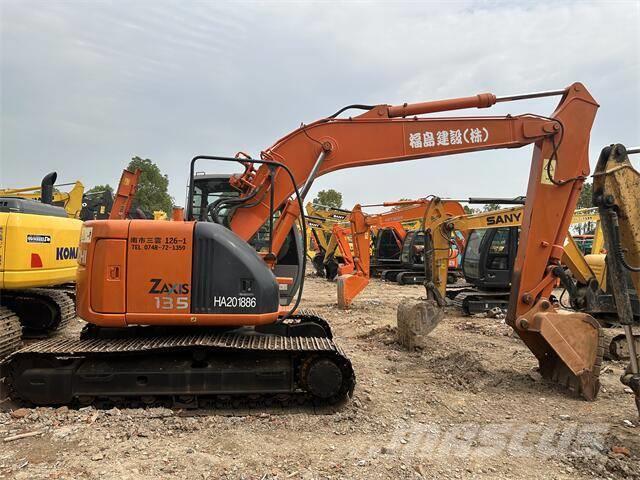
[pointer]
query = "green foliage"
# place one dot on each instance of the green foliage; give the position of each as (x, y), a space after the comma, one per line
(584, 200)
(469, 210)
(329, 198)
(490, 207)
(152, 191)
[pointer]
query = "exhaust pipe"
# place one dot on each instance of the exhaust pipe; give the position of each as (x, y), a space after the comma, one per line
(46, 192)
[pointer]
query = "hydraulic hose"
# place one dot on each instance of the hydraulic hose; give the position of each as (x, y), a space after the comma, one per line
(302, 259)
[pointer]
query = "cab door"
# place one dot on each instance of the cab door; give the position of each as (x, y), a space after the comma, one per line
(499, 252)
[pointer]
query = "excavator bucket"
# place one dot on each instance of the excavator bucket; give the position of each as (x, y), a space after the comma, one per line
(349, 286)
(569, 347)
(416, 320)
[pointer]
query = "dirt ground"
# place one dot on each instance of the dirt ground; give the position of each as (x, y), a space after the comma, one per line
(471, 405)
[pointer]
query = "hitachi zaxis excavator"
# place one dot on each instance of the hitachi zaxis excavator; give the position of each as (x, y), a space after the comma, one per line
(186, 311)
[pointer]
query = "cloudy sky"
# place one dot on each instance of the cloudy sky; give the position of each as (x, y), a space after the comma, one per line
(86, 85)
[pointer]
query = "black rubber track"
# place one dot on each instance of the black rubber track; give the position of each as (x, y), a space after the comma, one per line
(43, 364)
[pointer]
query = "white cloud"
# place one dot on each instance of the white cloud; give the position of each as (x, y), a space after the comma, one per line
(87, 85)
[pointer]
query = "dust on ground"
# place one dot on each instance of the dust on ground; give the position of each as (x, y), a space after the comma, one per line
(470, 405)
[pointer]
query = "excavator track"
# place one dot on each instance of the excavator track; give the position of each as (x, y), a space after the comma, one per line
(10, 332)
(177, 367)
(42, 311)
(476, 301)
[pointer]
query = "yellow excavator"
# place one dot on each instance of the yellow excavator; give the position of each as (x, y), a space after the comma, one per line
(488, 259)
(616, 190)
(38, 255)
(38, 252)
(489, 256)
(71, 201)
(320, 220)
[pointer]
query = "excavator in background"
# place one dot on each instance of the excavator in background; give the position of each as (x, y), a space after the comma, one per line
(38, 251)
(410, 270)
(96, 205)
(125, 194)
(181, 312)
(71, 201)
(358, 264)
(490, 253)
(387, 235)
(588, 243)
(616, 190)
(488, 262)
(320, 220)
(38, 259)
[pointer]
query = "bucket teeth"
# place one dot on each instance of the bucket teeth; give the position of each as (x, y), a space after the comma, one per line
(569, 347)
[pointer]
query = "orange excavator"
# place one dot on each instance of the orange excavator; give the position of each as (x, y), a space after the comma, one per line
(188, 311)
(361, 224)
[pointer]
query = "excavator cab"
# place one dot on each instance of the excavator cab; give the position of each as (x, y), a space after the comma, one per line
(208, 190)
(487, 261)
(96, 205)
(386, 250)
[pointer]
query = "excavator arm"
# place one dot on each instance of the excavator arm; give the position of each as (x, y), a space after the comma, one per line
(567, 345)
(125, 194)
(616, 190)
(426, 211)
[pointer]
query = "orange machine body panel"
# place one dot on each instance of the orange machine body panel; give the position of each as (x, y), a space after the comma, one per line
(138, 272)
(159, 267)
(109, 268)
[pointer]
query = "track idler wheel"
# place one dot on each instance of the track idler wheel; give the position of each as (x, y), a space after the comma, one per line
(349, 286)
(323, 378)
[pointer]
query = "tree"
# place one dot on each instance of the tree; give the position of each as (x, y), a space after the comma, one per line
(329, 198)
(152, 192)
(584, 200)
(470, 211)
(490, 207)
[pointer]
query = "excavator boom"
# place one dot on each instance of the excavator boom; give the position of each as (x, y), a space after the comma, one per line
(125, 194)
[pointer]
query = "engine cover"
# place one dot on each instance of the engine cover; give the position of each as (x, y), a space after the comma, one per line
(142, 272)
